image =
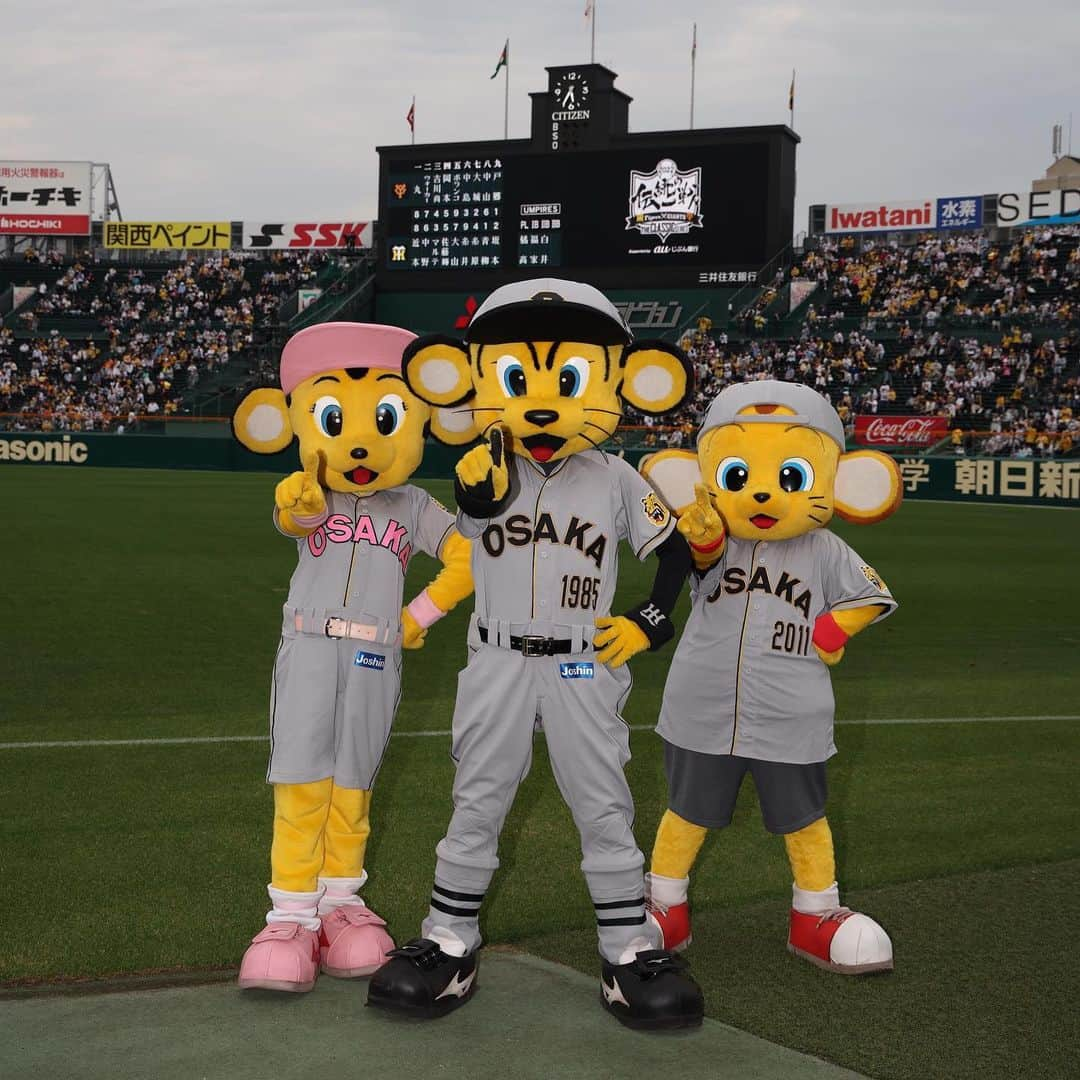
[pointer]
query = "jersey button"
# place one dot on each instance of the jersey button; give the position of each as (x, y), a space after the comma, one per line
(543, 554)
(543, 603)
(757, 607)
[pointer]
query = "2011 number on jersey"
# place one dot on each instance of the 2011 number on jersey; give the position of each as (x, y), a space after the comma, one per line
(580, 592)
(790, 638)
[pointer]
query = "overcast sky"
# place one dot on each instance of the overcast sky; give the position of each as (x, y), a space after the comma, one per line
(271, 109)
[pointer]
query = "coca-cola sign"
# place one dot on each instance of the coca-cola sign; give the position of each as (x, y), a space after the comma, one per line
(900, 430)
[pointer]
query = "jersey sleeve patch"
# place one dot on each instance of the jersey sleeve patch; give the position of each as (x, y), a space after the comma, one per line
(655, 510)
(875, 579)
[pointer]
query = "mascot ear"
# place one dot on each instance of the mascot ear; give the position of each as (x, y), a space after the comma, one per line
(656, 377)
(672, 474)
(868, 487)
(453, 427)
(436, 369)
(261, 421)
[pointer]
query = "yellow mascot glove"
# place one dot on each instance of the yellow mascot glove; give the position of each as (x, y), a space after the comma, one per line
(412, 633)
(483, 475)
(703, 528)
(301, 496)
(619, 640)
(833, 629)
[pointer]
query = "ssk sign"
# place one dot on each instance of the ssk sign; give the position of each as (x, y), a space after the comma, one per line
(900, 430)
(307, 234)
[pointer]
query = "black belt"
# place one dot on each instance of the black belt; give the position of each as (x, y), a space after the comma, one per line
(533, 645)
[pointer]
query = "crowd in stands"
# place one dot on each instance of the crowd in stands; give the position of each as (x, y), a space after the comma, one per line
(983, 333)
(836, 366)
(156, 332)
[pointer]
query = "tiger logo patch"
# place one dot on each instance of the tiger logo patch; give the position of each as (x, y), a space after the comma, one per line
(874, 578)
(655, 510)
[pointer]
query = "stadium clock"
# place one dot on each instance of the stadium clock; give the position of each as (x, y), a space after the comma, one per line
(569, 103)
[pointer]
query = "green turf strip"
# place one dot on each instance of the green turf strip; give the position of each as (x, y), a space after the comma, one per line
(528, 1019)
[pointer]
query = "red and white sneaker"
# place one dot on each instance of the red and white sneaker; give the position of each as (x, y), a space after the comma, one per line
(666, 904)
(353, 942)
(282, 956)
(839, 939)
(674, 923)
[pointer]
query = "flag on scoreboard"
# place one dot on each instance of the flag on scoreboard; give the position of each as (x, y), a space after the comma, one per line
(504, 59)
(410, 117)
(791, 93)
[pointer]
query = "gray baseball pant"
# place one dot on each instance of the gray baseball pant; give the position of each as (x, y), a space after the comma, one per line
(500, 694)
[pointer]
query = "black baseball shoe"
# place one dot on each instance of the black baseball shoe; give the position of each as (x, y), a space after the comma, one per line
(421, 980)
(654, 990)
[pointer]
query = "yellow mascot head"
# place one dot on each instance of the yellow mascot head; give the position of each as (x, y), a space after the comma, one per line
(553, 363)
(772, 457)
(344, 398)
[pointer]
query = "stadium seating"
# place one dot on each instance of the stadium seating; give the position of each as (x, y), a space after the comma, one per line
(981, 331)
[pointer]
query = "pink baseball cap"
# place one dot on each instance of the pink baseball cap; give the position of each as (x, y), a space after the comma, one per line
(333, 345)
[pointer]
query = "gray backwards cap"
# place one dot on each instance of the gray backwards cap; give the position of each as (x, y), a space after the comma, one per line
(548, 309)
(810, 408)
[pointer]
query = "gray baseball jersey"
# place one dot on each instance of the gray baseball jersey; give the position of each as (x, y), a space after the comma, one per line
(547, 565)
(333, 700)
(550, 556)
(354, 563)
(745, 678)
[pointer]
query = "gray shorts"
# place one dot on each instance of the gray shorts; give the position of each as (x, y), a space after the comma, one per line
(332, 704)
(702, 789)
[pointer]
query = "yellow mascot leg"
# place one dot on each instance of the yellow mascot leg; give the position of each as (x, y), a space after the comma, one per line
(300, 813)
(347, 830)
(677, 844)
(810, 852)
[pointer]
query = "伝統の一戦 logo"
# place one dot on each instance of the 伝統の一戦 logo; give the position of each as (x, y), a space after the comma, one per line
(665, 201)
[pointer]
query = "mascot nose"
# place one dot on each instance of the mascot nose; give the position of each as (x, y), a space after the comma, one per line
(541, 417)
(359, 453)
(759, 496)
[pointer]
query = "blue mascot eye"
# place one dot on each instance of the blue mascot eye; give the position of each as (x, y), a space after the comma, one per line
(328, 417)
(796, 474)
(389, 414)
(732, 474)
(573, 377)
(511, 376)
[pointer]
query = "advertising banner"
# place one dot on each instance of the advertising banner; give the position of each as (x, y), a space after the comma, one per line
(44, 198)
(308, 234)
(168, 235)
(1061, 207)
(937, 212)
(885, 431)
(998, 480)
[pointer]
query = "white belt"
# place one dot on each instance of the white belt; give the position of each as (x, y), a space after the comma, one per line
(346, 628)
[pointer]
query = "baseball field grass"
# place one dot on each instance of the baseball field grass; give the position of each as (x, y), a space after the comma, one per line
(142, 605)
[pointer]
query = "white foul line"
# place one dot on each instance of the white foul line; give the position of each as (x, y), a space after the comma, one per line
(197, 739)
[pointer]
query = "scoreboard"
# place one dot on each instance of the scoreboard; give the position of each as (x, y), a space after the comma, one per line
(602, 205)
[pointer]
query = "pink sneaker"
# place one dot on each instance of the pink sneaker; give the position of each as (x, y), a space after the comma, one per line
(282, 956)
(353, 942)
